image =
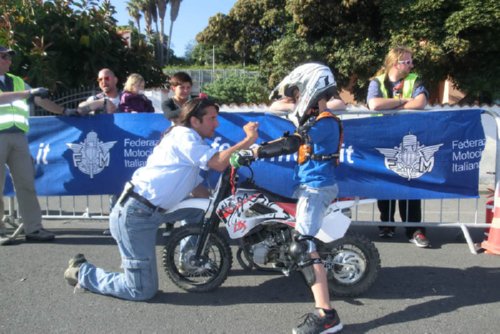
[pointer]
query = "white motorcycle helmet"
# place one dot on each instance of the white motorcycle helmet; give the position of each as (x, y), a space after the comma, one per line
(314, 81)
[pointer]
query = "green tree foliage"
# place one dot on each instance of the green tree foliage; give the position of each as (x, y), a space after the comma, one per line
(237, 89)
(245, 33)
(472, 41)
(456, 38)
(62, 44)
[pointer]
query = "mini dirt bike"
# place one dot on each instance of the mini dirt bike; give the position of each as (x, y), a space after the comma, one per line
(198, 258)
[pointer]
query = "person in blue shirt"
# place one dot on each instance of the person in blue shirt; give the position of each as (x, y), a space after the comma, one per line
(171, 173)
(307, 90)
(396, 87)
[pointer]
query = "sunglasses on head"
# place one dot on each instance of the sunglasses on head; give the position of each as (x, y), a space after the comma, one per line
(205, 102)
(405, 62)
(106, 78)
(6, 56)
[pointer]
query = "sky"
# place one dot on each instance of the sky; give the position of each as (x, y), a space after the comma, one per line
(192, 19)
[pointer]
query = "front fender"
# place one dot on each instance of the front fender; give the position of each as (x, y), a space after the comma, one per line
(192, 203)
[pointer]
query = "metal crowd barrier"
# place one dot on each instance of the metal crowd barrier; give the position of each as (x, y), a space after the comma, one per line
(442, 213)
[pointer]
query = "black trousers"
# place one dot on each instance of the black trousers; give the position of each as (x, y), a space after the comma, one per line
(409, 210)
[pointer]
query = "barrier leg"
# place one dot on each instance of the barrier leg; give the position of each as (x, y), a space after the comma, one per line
(472, 247)
(9, 239)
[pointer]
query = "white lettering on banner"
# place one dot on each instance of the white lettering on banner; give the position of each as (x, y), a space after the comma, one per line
(464, 167)
(136, 163)
(468, 143)
(92, 155)
(135, 149)
(41, 156)
(139, 142)
(410, 159)
(139, 153)
(347, 153)
(466, 155)
(464, 151)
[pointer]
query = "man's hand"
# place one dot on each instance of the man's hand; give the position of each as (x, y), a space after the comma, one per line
(251, 130)
(241, 158)
(40, 92)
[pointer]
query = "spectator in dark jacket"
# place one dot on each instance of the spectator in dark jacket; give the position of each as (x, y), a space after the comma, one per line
(133, 99)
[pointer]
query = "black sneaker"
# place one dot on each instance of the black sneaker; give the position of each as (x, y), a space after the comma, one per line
(420, 240)
(315, 324)
(386, 232)
(40, 235)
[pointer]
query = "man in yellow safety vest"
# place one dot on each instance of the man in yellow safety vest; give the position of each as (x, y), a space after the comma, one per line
(15, 96)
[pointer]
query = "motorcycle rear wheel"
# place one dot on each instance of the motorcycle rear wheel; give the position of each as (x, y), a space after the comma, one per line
(206, 273)
(352, 264)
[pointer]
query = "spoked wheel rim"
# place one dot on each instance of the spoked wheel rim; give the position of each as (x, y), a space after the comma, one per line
(197, 270)
(347, 264)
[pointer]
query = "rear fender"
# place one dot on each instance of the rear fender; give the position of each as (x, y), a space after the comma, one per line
(334, 225)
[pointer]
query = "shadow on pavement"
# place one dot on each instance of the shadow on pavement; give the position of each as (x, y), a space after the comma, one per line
(441, 290)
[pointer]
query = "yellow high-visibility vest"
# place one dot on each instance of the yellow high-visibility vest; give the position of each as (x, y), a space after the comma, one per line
(15, 113)
(408, 84)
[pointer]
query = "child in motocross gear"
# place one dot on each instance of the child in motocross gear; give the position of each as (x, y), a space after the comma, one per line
(318, 136)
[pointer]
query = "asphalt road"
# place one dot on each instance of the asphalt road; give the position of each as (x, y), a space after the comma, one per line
(445, 289)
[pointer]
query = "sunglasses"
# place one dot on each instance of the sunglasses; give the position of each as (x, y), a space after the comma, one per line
(6, 56)
(405, 62)
(106, 78)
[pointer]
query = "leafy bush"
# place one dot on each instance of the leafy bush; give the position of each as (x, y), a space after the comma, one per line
(237, 89)
(62, 44)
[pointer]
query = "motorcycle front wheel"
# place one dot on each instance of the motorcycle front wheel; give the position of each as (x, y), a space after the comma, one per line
(189, 272)
(352, 264)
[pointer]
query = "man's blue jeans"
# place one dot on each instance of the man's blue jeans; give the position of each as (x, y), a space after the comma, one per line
(134, 227)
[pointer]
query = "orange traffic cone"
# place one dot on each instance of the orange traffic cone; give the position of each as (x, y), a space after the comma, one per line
(488, 216)
(492, 244)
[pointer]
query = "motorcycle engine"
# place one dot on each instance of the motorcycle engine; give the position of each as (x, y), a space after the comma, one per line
(260, 252)
(267, 248)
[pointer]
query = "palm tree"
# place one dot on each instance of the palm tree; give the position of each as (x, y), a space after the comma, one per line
(146, 9)
(174, 11)
(162, 9)
(154, 17)
(134, 10)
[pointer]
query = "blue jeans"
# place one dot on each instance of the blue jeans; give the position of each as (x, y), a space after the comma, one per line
(311, 208)
(134, 227)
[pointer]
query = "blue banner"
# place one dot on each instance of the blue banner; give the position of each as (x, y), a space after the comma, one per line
(405, 156)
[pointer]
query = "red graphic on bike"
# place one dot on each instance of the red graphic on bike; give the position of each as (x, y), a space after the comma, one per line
(239, 226)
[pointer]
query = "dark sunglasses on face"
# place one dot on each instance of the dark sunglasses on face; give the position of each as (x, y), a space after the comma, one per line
(103, 78)
(405, 62)
(6, 56)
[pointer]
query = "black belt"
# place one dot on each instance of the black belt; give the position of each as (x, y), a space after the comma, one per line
(144, 201)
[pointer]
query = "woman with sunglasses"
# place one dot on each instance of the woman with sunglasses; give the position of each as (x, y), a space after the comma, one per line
(395, 87)
(171, 173)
